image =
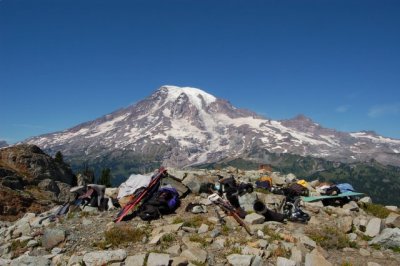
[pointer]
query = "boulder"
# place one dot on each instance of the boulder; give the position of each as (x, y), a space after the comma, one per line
(254, 218)
(195, 254)
(177, 174)
(285, 262)
(52, 237)
(296, 255)
(392, 208)
(345, 224)
(194, 181)
(203, 229)
(158, 259)
(316, 258)
(374, 227)
(98, 258)
(240, 260)
(393, 220)
(365, 200)
(174, 250)
(180, 261)
(30, 260)
(247, 201)
(181, 188)
(389, 238)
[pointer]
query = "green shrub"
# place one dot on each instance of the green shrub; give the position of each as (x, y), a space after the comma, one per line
(199, 239)
(177, 220)
(196, 221)
(376, 210)
(18, 247)
(124, 233)
(268, 231)
(330, 237)
(235, 250)
(225, 230)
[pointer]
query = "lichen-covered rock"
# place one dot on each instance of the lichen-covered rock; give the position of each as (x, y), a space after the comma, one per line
(99, 258)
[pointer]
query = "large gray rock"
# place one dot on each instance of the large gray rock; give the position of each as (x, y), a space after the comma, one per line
(389, 238)
(99, 258)
(296, 255)
(60, 190)
(30, 261)
(345, 224)
(306, 241)
(278, 179)
(247, 201)
(52, 237)
(203, 229)
(365, 200)
(180, 261)
(174, 250)
(374, 227)
(393, 220)
(240, 260)
(196, 254)
(181, 188)
(392, 208)
(254, 218)
(193, 181)
(285, 262)
(136, 260)
(177, 174)
(158, 259)
(315, 258)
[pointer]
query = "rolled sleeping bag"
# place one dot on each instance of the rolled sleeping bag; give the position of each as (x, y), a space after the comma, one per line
(260, 208)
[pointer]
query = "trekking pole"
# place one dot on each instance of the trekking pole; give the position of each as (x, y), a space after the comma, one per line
(128, 207)
(229, 209)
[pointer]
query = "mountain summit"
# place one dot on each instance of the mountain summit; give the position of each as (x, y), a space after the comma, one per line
(182, 126)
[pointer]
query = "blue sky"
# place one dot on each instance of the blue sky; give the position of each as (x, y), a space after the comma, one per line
(63, 62)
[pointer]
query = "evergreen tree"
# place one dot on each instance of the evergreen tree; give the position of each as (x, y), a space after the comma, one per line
(59, 157)
(88, 172)
(105, 178)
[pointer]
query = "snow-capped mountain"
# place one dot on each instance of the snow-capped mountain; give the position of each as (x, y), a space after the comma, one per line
(3, 143)
(183, 126)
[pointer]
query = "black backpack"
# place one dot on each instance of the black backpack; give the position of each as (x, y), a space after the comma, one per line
(149, 212)
(164, 201)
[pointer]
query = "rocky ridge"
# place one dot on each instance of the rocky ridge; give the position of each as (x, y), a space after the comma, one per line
(334, 235)
(31, 181)
(3, 144)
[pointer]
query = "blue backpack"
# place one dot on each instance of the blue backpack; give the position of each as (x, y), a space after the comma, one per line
(164, 201)
(345, 187)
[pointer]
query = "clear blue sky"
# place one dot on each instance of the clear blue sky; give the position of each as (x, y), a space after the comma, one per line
(63, 62)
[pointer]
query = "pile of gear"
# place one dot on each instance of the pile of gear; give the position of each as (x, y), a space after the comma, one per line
(148, 197)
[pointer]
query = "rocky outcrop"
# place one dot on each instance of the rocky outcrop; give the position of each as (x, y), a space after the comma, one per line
(33, 165)
(334, 236)
(31, 180)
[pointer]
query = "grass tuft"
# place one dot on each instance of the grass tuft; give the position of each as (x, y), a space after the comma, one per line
(123, 234)
(376, 210)
(330, 237)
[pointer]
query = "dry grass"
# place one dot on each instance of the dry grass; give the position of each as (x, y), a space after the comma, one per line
(330, 238)
(376, 210)
(268, 231)
(199, 239)
(18, 248)
(124, 233)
